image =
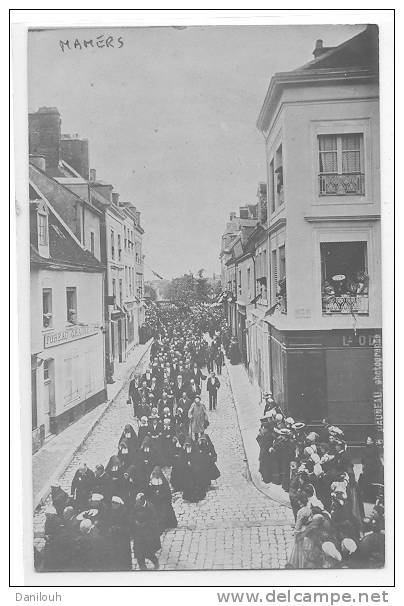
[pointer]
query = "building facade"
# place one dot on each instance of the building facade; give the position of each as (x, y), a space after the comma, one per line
(67, 341)
(314, 333)
(107, 231)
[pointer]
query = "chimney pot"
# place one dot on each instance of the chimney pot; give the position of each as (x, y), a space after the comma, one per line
(319, 43)
(115, 198)
(93, 175)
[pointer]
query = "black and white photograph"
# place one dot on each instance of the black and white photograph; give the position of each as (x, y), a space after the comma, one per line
(205, 298)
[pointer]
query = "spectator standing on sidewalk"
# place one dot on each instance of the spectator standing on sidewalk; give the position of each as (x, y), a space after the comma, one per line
(212, 386)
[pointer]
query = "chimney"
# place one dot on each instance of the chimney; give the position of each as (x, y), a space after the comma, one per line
(74, 150)
(232, 216)
(39, 161)
(44, 135)
(320, 49)
(115, 198)
(93, 175)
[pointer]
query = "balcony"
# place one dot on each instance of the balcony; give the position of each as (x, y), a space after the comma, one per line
(352, 184)
(345, 304)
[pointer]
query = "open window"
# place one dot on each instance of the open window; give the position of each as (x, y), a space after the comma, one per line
(345, 280)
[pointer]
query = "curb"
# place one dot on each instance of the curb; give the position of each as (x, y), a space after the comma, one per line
(39, 500)
(250, 475)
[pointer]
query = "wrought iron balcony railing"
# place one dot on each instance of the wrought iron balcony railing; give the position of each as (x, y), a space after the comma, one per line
(342, 185)
(345, 304)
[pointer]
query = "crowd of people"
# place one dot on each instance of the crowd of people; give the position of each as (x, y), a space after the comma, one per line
(332, 528)
(127, 504)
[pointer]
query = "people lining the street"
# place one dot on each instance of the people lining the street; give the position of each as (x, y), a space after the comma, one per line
(327, 501)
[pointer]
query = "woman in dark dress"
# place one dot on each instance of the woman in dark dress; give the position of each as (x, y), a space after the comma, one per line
(125, 456)
(193, 484)
(167, 441)
(158, 493)
(82, 486)
(176, 477)
(156, 434)
(145, 464)
(265, 440)
(234, 352)
(145, 532)
(130, 436)
(208, 452)
(118, 535)
(143, 430)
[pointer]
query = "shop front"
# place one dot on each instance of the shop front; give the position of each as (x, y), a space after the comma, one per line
(334, 375)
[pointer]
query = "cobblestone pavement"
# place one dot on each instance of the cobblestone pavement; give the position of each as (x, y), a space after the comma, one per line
(234, 527)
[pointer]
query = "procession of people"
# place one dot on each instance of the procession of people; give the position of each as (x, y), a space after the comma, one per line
(122, 507)
(126, 503)
(339, 519)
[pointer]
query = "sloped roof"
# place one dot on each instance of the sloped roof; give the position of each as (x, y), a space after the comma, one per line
(360, 51)
(355, 60)
(64, 251)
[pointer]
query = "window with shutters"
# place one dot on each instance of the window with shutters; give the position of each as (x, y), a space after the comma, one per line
(341, 165)
(274, 275)
(72, 378)
(272, 185)
(112, 244)
(47, 317)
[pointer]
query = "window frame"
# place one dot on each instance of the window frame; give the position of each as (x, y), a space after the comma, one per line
(47, 291)
(71, 290)
(347, 126)
(43, 229)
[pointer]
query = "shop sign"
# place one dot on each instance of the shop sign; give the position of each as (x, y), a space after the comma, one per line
(69, 334)
(359, 340)
(378, 381)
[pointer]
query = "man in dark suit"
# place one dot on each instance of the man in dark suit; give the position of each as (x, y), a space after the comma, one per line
(197, 375)
(212, 386)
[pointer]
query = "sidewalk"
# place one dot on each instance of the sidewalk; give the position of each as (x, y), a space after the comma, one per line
(249, 413)
(52, 459)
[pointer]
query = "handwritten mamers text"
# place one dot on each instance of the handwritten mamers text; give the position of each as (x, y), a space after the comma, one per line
(101, 41)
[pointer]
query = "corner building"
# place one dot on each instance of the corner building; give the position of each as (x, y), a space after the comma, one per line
(322, 251)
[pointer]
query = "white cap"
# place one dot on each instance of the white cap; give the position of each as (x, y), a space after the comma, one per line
(330, 550)
(116, 499)
(349, 545)
(97, 497)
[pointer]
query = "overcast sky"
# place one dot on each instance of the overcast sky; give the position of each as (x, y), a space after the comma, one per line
(171, 120)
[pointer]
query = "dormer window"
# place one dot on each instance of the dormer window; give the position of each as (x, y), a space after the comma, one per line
(43, 230)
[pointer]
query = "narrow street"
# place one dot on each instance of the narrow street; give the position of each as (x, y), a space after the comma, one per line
(234, 527)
